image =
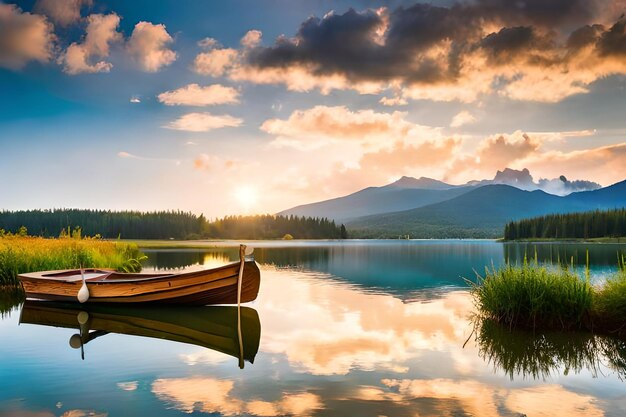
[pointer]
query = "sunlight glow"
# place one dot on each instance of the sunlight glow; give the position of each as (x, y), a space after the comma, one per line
(247, 196)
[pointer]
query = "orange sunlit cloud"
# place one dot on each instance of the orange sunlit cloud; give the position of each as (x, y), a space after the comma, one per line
(31, 35)
(210, 395)
(195, 95)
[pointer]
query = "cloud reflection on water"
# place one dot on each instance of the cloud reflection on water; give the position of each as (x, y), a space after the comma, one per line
(349, 351)
(210, 395)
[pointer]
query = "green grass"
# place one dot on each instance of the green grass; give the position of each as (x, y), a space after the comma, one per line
(531, 295)
(551, 297)
(609, 304)
(19, 254)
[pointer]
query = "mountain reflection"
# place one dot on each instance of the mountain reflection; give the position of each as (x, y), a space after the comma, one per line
(212, 327)
(408, 270)
(544, 355)
(401, 268)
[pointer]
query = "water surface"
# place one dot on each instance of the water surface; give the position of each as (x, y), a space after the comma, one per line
(345, 328)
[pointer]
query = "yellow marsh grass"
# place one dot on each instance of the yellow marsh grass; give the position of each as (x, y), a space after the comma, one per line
(19, 254)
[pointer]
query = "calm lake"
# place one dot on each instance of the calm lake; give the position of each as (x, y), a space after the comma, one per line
(354, 328)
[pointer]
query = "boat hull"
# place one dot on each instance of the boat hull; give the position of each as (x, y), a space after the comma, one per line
(213, 286)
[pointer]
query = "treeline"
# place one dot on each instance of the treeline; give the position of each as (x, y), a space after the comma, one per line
(275, 227)
(592, 224)
(106, 223)
(166, 225)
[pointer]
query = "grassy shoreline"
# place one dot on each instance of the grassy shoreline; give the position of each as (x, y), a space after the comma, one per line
(19, 254)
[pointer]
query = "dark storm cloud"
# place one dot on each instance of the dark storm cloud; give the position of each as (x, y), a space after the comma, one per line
(337, 43)
(423, 25)
(424, 44)
(347, 44)
(538, 12)
(613, 41)
(509, 40)
(517, 43)
(584, 36)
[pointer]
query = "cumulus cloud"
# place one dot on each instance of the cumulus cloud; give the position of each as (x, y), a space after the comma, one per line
(322, 125)
(203, 122)
(563, 186)
(603, 164)
(522, 51)
(148, 46)
(101, 31)
(393, 101)
(62, 12)
(462, 118)
(215, 62)
(208, 43)
(24, 37)
(195, 95)
(494, 153)
(251, 39)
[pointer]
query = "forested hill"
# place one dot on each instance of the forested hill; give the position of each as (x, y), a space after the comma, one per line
(587, 225)
(275, 227)
(167, 225)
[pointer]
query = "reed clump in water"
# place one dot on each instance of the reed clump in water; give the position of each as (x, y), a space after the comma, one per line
(609, 303)
(535, 296)
(21, 253)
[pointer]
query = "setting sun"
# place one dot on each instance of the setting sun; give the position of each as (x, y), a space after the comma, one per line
(247, 196)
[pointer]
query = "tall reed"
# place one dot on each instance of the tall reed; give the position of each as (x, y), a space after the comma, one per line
(19, 254)
(609, 304)
(532, 295)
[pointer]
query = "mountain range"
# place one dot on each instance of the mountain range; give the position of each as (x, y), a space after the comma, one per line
(428, 208)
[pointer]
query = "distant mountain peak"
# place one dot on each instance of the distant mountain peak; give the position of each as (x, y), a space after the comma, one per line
(514, 177)
(421, 182)
(523, 180)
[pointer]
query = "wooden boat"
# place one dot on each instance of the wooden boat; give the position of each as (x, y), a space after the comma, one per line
(232, 330)
(229, 284)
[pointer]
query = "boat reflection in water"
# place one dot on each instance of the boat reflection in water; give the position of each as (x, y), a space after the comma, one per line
(542, 355)
(227, 329)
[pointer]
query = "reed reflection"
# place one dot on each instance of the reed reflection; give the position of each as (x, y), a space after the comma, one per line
(600, 255)
(543, 355)
(10, 299)
(212, 327)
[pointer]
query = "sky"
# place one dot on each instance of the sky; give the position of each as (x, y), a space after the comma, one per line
(245, 107)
